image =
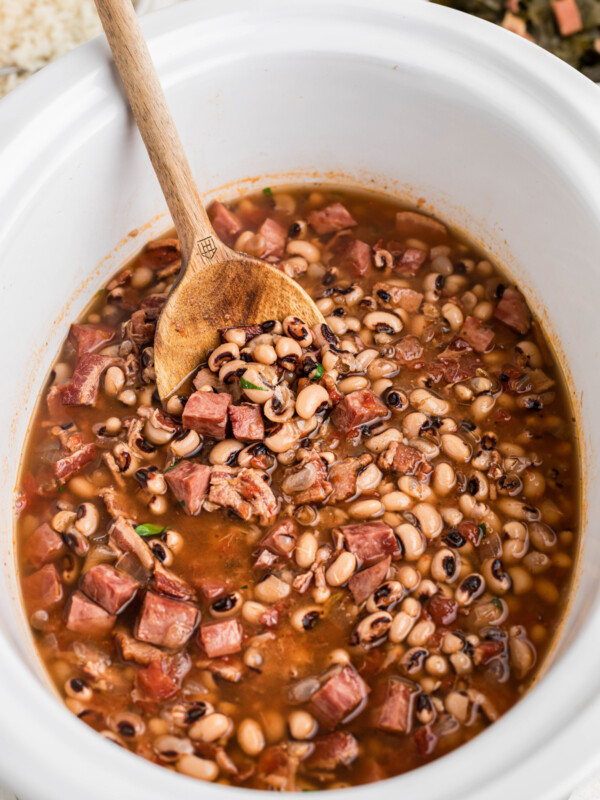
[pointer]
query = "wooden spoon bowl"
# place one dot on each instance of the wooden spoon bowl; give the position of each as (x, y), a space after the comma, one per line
(217, 286)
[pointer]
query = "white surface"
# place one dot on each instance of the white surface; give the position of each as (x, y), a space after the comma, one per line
(503, 141)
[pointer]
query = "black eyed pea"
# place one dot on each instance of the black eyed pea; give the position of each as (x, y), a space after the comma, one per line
(114, 381)
(382, 368)
(78, 688)
(383, 322)
(428, 403)
(366, 509)
(436, 665)
(456, 448)
(193, 766)
(184, 714)
(522, 580)
(421, 633)
(380, 386)
(429, 449)
(282, 438)
(542, 537)
(265, 354)
(298, 330)
(412, 424)
(518, 510)
(232, 370)
(127, 724)
(536, 562)
(427, 588)
(412, 487)
(452, 643)
(155, 482)
(302, 725)
(477, 486)
(226, 606)
(161, 552)
(223, 354)
(372, 628)
(338, 656)
(412, 541)
(170, 748)
(404, 620)
(325, 305)
(262, 376)
(516, 545)
(128, 397)
(409, 577)
(534, 484)
(271, 589)
(482, 407)
(497, 579)
(187, 444)
(63, 520)
(253, 658)
(352, 384)
(413, 660)
(444, 479)
(210, 727)
(425, 710)
(306, 550)
(225, 452)
(337, 324)
(364, 358)
(76, 542)
(158, 505)
(453, 316)
(445, 565)
(369, 479)
(522, 652)
(311, 400)
(381, 441)
(458, 704)
(306, 618)
(300, 247)
(396, 501)
(471, 587)
(253, 612)
(173, 540)
(87, 518)
(430, 520)
(451, 516)
(385, 597)
(250, 737)
(341, 570)
(531, 352)
(280, 407)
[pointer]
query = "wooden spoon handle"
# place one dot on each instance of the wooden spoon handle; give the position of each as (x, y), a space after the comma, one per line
(154, 120)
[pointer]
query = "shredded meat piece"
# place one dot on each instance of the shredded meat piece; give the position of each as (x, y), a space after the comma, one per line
(331, 751)
(67, 466)
(312, 470)
(400, 458)
(133, 650)
(343, 475)
(122, 534)
(278, 769)
(244, 491)
(84, 385)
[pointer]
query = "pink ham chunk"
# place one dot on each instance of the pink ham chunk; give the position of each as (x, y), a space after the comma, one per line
(358, 408)
(88, 338)
(66, 467)
(395, 715)
(568, 17)
(411, 225)
(165, 622)
(281, 538)
(370, 541)
(43, 546)
(338, 696)
(275, 237)
(224, 221)
(206, 413)
(247, 423)
(357, 258)
(476, 335)
(221, 638)
(363, 583)
(84, 616)
(164, 581)
(513, 310)
(43, 589)
(391, 296)
(123, 536)
(331, 751)
(189, 483)
(84, 385)
(330, 219)
(411, 260)
(109, 587)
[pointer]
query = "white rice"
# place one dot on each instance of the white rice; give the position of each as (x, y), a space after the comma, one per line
(33, 32)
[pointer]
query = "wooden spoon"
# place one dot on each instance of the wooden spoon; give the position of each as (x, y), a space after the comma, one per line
(217, 287)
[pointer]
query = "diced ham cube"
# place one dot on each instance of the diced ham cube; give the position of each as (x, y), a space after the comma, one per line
(189, 483)
(331, 751)
(370, 541)
(247, 422)
(162, 677)
(330, 219)
(109, 587)
(343, 475)
(123, 536)
(409, 348)
(165, 622)
(401, 458)
(212, 588)
(244, 491)
(84, 385)
(88, 338)
(357, 257)
(412, 225)
(66, 467)
(398, 296)
(224, 221)
(221, 638)
(44, 545)
(513, 310)
(356, 409)
(206, 412)
(314, 469)
(59, 414)
(277, 769)
(338, 696)
(138, 652)
(43, 589)
(275, 237)
(567, 16)
(281, 538)
(160, 255)
(477, 335)
(164, 581)
(411, 260)
(395, 715)
(86, 617)
(363, 583)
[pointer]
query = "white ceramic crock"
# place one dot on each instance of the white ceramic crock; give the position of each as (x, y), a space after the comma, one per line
(500, 138)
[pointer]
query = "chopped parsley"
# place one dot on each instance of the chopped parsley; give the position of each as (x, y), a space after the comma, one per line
(148, 529)
(168, 469)
(248, 385)
(482, 529)
(268, 191)
(498, 603)
(318, 372)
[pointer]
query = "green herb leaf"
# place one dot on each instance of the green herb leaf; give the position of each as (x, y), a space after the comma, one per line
(248, 385)
(61, 489)
(168, 469)
(482, 529)
(268, 191)
(498, 603)
(245, 586)
(318, 372)
(100, 291)
(148, 529)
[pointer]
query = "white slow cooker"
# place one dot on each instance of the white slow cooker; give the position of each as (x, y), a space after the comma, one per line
(501, 139)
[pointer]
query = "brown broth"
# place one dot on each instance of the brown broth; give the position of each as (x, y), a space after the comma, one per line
(221, 547)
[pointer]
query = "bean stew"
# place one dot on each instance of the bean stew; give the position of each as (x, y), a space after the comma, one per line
(340, 553)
